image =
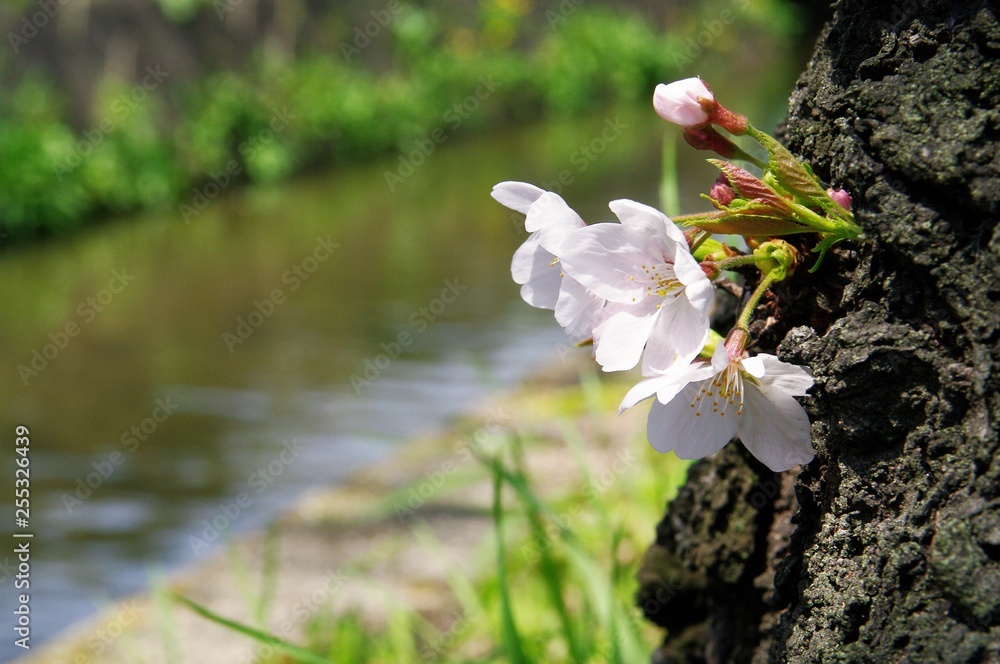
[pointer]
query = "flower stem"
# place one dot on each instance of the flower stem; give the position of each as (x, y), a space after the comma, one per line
(742, 261)
(743, 323)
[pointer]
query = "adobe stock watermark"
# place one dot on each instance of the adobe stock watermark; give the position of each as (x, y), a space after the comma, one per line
(204, 194)
(31, 25)
(765, 492)
(86, 312)
(121, 108)
(711, 30)
(653, 602)
(318, 597)
(130, 440)
(228, 512)
(484, 441)
(364, 34)
(223, 7)
(601, 482)
(563, 11)
(419, 321)
(902, 11)
(437, 645)
(557, 524)
(428, 144)
(587, 154)
(110, 630)
(294, 277)
(302, 612)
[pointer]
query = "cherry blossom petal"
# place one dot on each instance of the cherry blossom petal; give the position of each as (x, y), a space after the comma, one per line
(666, 385)
(698, 289)
(550, 211)
(649, 221)
(533, 268)
(578, 310)
(754, 366)
(789, 378)
(775, 428)
(677, 102)
(516, 195)
(622, 338)
(686, 429)
(605, 259)
(678, 336)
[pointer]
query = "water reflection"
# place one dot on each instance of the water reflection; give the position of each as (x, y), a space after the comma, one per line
(149, 417)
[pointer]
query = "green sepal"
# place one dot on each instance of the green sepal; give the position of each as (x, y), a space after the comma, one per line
(708, 248)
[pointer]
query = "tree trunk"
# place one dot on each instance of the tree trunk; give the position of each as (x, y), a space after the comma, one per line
(886, 548)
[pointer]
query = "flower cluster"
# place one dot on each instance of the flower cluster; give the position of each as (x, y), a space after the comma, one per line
(641, 289)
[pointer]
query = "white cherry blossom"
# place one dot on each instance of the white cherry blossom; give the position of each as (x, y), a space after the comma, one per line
(535, 265)
(658, 296)
(702, 406)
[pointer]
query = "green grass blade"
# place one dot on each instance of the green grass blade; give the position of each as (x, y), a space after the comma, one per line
(165, 618)
(510, 634)
(240, 568)
(256, 634)
(552, 575)
(627, 645)
(269, 574)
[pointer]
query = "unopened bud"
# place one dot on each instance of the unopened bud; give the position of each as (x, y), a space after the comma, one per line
(683, 102)
(840, 197)
(710, 268)
(782, 255)
(708, 138)
(721, 192)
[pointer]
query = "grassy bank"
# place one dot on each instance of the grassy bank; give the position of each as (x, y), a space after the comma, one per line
(179, 144)
(572, 493)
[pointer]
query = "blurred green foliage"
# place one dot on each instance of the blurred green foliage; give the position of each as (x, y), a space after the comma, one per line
(148, 148)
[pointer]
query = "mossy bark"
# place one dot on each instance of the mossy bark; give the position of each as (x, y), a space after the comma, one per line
(886, 548)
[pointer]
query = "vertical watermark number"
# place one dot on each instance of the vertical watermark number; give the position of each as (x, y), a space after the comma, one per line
(22, 536)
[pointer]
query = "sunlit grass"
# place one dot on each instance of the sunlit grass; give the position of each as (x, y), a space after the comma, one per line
(555, 580)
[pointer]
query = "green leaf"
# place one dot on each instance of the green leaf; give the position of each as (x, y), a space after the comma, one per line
(753, 221)
(792, 175)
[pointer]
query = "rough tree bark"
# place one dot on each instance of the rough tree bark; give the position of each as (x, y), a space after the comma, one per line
(887, 547)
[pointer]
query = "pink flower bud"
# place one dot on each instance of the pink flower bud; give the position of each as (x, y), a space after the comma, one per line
(680, 102)
(840, 197)
(721, 192)
(707, 138)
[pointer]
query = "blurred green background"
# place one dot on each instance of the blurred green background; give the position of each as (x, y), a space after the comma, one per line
(114, 107)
